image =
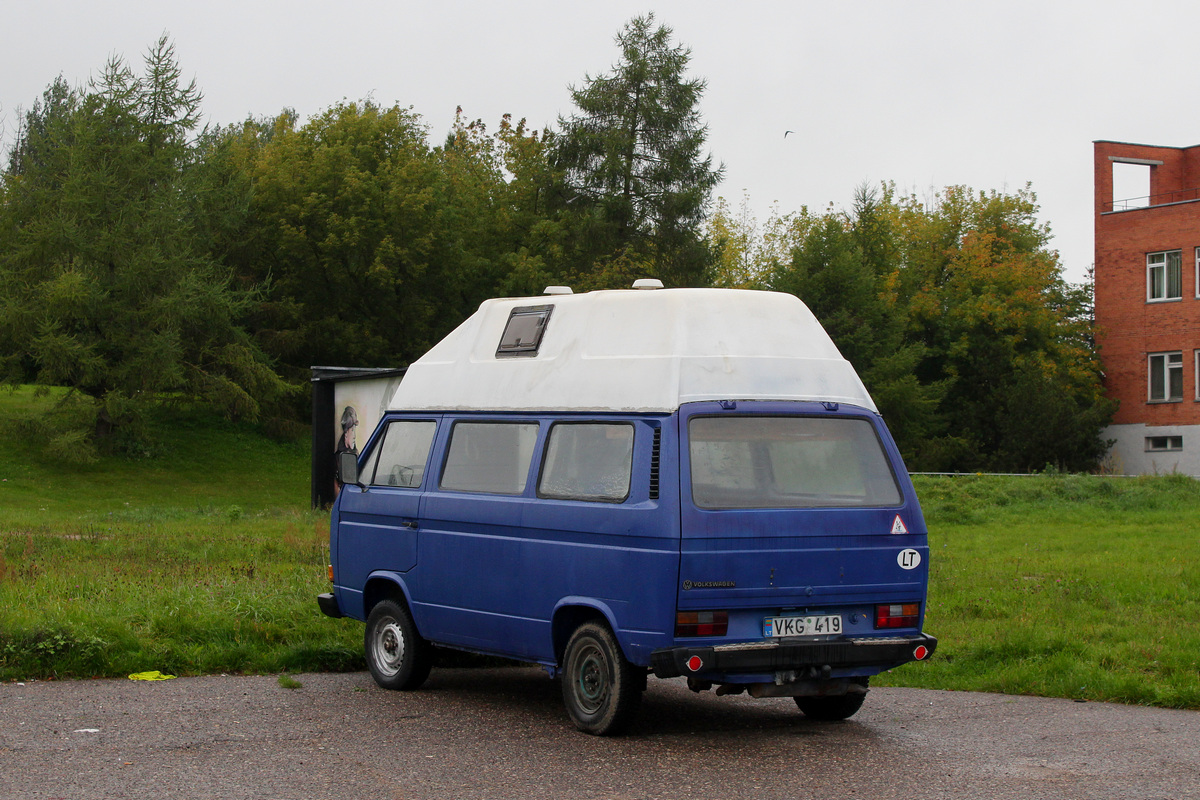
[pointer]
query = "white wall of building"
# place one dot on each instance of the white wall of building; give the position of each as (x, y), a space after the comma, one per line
(1130, 453)
(369, 398)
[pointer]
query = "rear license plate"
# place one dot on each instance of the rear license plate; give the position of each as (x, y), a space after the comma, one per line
(777, 627)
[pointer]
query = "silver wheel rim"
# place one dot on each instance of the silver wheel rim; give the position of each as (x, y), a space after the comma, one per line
(387, 650)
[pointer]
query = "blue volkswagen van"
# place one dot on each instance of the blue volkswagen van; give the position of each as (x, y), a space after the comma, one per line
(686, 482)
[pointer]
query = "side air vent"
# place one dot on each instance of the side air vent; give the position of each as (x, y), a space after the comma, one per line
(655, 455)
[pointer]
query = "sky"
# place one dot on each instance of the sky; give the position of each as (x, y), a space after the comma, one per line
(925, 94)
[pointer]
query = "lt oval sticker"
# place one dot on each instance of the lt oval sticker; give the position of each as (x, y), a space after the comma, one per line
(908, 559)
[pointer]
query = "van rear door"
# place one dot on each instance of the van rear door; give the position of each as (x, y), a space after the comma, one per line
(795, 509)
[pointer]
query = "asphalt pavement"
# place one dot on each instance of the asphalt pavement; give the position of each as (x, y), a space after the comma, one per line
(502, 734)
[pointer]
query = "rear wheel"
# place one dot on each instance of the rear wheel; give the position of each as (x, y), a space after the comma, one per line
(396, 655)
(601, 689)
(829, 709)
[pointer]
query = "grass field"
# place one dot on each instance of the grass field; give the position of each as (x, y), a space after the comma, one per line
(205, 558)
(1066, 586)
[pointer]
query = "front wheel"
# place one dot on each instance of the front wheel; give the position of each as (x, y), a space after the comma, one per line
(396, 654)
(601, 689)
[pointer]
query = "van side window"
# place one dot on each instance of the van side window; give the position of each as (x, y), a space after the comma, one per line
(492, 457)
(402, 453)
(588, 461)
(788, 462)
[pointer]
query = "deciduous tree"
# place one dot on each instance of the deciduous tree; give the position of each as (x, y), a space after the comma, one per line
(1003, 329)
(375, 244)
(957, 317)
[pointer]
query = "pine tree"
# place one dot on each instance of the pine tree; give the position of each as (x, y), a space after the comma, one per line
(635, 173)
(105, 287)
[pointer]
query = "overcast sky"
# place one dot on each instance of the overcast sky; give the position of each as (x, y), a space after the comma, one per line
(925, 94)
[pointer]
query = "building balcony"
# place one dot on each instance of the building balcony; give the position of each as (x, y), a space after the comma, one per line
(1151, 201)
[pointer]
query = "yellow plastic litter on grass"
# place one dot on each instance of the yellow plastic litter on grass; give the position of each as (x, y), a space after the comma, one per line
(153, 675)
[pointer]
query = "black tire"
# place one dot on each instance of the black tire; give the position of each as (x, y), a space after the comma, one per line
(601, 689)
(830, 709)
(396, 654)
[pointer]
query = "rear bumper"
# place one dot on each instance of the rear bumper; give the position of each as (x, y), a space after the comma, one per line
(329, 605)
(766, 657)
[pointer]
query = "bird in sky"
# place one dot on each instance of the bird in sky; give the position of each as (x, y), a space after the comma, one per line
(785, 133)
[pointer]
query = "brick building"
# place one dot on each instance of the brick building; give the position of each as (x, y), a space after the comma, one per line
(1147, 279)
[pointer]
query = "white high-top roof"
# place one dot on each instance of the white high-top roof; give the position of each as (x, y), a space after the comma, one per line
(637, 351)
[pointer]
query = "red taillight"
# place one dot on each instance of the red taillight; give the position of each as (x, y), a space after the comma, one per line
(898, 615)
(701, 623)
(331, 573)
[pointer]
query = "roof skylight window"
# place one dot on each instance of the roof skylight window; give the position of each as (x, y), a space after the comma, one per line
(524, 331)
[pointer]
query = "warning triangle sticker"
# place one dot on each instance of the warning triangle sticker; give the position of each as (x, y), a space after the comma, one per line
(898, 525)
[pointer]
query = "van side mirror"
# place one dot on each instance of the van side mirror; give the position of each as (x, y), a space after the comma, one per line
(347, 466)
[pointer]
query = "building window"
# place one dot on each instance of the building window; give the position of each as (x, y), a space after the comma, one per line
(1164, 276)
(1196, 372)
(1198, 272)
(1162, 444)
(1166, 377)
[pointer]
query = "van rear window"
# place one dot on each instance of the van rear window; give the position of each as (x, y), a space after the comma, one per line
(788, 462)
